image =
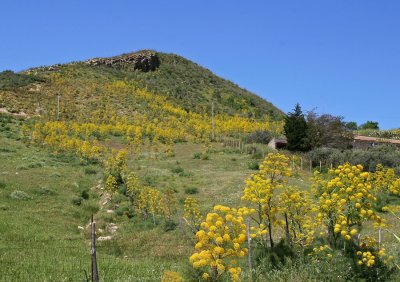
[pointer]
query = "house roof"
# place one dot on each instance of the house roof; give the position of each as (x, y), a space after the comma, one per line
(376, 139)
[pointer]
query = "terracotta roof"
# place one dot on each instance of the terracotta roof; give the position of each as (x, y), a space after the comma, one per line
(376, 139)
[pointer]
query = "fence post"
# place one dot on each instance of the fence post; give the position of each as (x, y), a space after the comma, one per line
(250, 247)
(320, 166)
(301, 163)
(95, 273)
(310, 165)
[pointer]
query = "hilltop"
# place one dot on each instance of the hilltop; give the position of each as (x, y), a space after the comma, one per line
(110, 82)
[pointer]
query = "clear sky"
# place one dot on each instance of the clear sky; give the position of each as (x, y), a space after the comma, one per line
(338, 56)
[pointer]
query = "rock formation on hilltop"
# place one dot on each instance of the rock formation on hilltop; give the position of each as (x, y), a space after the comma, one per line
(142, 60)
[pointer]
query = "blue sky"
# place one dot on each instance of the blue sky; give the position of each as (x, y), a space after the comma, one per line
(336, 56)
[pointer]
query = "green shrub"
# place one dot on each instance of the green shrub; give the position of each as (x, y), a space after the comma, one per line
(35, 165)
(197, 155)
(205, 157)
(257, 155)
(20, 195)
(43, 191)
(90, 171)
(177, 169)
(254, 165)
(85, 194)
(191, 190)
(262, 137)
(77, 201)
(2, 185)
(170, 225)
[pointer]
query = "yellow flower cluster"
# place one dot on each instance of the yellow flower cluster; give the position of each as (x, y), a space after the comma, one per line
(321, 251)
(298, 210)
(111, 185)
(192, 213)
(151, 201)
(366, 258)
(385, 180)
(345, 199)
(220, 243)
(260, 191)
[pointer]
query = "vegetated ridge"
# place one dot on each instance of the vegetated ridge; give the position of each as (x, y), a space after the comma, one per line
(85, 86)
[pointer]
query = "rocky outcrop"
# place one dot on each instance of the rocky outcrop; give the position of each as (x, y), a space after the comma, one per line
(142, 60)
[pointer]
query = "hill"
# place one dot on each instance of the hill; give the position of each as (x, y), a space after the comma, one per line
(91, 85)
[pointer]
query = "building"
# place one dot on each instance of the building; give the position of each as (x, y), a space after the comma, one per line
(366, 142)
(276, 143)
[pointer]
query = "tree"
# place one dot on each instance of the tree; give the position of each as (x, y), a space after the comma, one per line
(327, 131)
(370, 125)
(352, 125)
(295, 129)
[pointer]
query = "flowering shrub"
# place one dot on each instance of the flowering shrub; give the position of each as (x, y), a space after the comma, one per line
(260, 193)
(220, 242)
(192, 214)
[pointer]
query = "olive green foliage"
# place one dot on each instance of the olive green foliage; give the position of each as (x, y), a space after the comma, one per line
(327, 131)
(262, 137)
(369, 125)
(10, 80)
(388, 156)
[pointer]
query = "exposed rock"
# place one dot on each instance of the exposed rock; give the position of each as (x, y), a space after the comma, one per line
(142, 60)
(104, 238)
(112, 228)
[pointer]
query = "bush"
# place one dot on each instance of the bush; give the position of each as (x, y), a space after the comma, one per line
(254, 165)
(90, 171)
(197, 155)
(177, 169)
(170, 225)
(85, 194)
(35, 165)
(2, 184)
(262, 137)
(258, 155)
(205, 157)
(43, 191)
(20, 195)
(191, 190)
(77, 201)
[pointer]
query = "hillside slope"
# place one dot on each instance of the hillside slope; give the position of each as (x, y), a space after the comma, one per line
(110, 83)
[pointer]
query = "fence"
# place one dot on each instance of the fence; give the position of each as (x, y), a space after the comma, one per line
(302, 162)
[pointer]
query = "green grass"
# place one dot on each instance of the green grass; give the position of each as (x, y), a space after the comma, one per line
(40, 238)
(44, 236)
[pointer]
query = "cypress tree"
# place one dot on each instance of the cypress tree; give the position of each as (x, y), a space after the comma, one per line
(295, 130)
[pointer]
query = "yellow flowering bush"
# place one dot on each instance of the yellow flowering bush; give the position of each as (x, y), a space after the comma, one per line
(111, 185)
(298, 212)
(345, 199)
(192, 214)
(260, 193)
(220, 242)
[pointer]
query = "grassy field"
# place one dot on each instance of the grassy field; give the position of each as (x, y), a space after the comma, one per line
(47, 199)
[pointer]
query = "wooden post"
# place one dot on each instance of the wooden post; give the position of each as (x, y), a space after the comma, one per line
(310, 165)
(320, 166)
(212, 123)
(250, 247)
(58, 106)
(301, 163)
(95, 273)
